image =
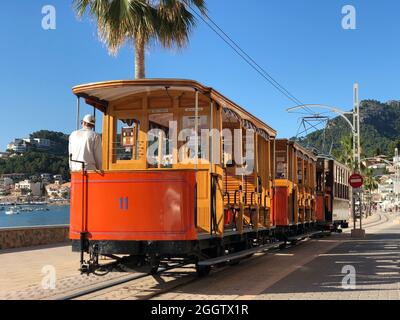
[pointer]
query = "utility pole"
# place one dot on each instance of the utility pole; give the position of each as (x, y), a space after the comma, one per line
(357, 192)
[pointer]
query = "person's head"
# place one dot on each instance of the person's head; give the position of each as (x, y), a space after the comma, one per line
(89, 121)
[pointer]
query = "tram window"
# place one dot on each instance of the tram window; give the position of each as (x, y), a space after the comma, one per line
(306, 174)
(281, 168)
(227, 147)
(300, 171)
(320, 181)
(189, 123)
(160, 146)
(126, 145)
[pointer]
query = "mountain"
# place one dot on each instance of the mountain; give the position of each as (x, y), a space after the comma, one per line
(380, 130)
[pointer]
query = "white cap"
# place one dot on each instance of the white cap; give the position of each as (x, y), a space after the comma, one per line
(90, 119)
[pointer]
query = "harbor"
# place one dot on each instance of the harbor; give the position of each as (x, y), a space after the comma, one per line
(33, 215)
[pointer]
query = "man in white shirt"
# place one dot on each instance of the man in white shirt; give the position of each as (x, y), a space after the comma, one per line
(85, 147)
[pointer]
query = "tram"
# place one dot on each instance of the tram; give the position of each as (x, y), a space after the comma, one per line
(163, 191)
(333, 207)
(295, 196)
(189, 175)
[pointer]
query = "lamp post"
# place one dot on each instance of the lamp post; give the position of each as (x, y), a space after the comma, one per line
(355, 128)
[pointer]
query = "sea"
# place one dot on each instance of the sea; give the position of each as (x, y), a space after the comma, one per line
(56, 215)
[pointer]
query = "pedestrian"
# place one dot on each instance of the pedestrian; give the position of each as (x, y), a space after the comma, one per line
(85, 147)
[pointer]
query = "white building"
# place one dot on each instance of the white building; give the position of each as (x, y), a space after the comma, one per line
(396, 164)
(18, 146)
(34, 187)
(24, 145)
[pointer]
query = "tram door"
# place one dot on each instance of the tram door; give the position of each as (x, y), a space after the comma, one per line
(293, 205)
(328, 208)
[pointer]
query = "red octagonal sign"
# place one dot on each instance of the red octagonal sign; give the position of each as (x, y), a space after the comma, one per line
(356, 180)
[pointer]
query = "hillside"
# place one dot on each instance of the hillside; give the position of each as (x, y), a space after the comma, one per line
(33, 162)
(380, 130)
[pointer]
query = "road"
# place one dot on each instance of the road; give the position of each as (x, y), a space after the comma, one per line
(313, 269)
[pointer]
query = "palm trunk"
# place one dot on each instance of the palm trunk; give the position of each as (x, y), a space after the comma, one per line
(140, 71)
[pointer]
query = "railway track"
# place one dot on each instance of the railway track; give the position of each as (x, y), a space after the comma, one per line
(168, 279)
(383, 218)
(118, 282)
(165, 280)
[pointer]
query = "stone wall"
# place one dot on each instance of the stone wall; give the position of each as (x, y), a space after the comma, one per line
(33, 236)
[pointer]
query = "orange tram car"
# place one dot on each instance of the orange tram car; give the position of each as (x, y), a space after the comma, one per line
(158, 198)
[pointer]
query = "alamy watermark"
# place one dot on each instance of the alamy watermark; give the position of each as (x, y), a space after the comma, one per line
(349, 21)
(203, 147)
(49, 20)
(349, 280)
(49, 277)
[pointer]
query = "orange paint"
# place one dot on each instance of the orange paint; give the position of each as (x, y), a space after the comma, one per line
(320, 208)
(134, 206)
(281, 206)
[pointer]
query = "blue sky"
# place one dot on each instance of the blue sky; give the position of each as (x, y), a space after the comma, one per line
(300, 42)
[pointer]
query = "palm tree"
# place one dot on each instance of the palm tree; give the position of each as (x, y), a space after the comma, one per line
(345, 154)
(371, 183)
(168, 22)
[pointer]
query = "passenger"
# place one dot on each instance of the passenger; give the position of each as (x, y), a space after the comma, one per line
(85, 147)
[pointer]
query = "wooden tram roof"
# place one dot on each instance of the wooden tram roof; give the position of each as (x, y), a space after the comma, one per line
(335, 161)
(300, 148)
(100, 94)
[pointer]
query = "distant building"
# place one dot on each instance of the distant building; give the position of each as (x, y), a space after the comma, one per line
(396, 165)
(4, 191)
(58, 179)
(46, 177)
(18, 146)
(24, 145)
(4, 155)
(14, 176)
(6, 182)
(59, 192)
(35, 188)
(6, 185)
(43, 143)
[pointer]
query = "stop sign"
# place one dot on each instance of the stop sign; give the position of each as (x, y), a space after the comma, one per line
(356, 180)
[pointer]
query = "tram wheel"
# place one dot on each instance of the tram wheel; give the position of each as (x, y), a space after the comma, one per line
(282, 246)
(203, 271)
(154, 264)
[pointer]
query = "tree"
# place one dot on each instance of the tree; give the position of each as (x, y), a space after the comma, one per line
(371, 183)
(168, 22)
(345, 153)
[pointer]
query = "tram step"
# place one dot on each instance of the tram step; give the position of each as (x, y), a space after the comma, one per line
(240, 255)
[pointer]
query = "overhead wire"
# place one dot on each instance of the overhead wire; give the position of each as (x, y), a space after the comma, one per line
(247, 58)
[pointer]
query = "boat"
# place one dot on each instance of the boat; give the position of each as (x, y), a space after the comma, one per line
(12, 211)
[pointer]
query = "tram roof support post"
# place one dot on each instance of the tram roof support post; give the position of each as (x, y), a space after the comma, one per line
(196, 129)
(78, 112)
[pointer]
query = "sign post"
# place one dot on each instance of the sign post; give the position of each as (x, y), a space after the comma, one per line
(356, 181)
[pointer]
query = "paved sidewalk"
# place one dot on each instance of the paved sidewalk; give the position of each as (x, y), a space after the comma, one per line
(20, 268)
(375, 260)
(312, 271)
